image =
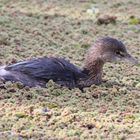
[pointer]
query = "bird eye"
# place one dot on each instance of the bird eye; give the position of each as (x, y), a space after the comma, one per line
(119, 53)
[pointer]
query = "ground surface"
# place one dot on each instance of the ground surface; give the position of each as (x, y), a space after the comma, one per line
(31, 28)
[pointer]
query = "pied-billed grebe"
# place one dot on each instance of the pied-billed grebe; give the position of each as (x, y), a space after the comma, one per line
(39, 71)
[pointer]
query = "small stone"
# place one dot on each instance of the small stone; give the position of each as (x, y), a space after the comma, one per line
(106, 19)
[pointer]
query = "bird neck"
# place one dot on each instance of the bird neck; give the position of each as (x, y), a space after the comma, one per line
(93, 70)
(94, 67)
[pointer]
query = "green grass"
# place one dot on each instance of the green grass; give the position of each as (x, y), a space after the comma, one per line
(36, 28)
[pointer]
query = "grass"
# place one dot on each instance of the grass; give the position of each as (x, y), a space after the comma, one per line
(64, 28)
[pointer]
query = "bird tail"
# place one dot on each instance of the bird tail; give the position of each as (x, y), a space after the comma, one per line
(3, 73)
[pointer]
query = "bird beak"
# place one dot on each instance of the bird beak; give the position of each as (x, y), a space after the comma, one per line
(131, 59)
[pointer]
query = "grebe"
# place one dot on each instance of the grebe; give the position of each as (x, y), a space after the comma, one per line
(38, 71)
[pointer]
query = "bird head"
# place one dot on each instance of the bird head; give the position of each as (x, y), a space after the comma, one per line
(108, 49)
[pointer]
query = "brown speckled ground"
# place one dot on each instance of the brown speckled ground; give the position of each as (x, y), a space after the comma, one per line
(31, 28)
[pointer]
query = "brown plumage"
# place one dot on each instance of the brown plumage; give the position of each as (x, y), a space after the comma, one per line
(39, 71)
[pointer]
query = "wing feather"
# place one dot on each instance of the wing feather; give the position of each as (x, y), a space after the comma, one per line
(47, 68)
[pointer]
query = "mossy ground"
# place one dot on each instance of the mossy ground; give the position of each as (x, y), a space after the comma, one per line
(33, 28)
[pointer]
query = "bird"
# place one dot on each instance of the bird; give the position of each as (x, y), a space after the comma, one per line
(38, 71)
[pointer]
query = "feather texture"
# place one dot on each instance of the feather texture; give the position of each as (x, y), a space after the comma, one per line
(44, 69)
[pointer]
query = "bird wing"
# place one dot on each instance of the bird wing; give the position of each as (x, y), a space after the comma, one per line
(57, 69)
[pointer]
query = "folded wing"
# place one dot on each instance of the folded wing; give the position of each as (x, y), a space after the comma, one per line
(57, 69)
